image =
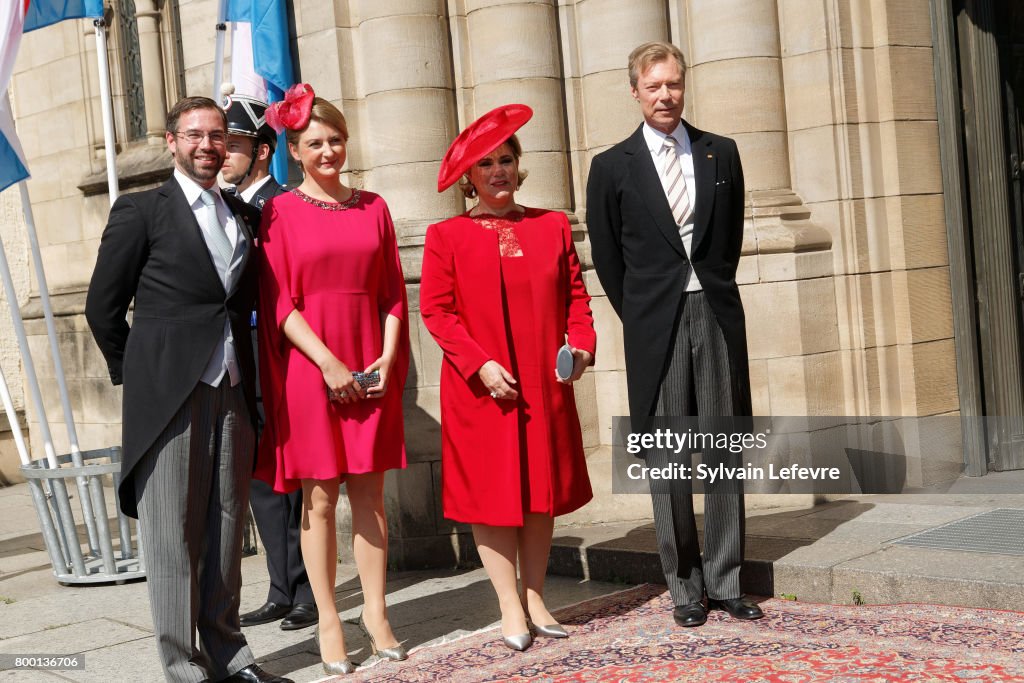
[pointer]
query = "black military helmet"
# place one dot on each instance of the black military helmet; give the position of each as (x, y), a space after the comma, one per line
(246, 116)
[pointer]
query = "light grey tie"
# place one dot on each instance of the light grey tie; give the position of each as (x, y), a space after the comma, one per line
(215, 230)
(675, 186)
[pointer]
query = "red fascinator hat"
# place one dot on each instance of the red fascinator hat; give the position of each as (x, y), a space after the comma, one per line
(479, 139)
(293, 111)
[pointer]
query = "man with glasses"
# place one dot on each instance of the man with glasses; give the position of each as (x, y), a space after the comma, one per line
(185, 253)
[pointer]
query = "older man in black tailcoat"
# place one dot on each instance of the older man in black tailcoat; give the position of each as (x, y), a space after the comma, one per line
(665, 217)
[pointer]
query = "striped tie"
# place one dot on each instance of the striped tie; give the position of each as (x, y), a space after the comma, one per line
(675, 186)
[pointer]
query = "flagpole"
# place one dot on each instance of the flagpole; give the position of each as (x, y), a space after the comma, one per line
(59, 488)
(44, 296)
(53, 544)
(218, 53)
(58, 369)
(12, 421)
(108, 116)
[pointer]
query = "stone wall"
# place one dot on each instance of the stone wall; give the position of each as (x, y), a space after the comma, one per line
(57, 118)
(844, 263)
(12, 231)
(860, 105)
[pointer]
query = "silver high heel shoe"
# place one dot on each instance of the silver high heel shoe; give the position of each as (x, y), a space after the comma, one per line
(549, 631)
(337, 668)
(396, 653)
(518, 642)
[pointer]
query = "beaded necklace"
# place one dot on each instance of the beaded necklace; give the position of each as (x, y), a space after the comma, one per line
(329, 206)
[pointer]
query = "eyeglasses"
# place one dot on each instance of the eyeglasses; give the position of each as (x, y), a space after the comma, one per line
(195, 137)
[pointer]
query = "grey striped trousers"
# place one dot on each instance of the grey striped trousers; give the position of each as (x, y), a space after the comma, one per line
(193, 486)
(698, 381)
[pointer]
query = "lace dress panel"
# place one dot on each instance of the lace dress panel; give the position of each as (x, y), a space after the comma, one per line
(508, 242)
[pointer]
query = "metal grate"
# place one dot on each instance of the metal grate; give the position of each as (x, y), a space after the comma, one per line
(999, 531)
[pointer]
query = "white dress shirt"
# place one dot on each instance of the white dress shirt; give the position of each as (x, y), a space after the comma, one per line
(192, 190)
(655, 140)
(224, 359)
(251, 191)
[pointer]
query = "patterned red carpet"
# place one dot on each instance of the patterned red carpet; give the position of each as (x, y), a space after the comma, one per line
(629, 637)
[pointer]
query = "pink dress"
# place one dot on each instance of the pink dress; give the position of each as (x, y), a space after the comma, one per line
(338, 265)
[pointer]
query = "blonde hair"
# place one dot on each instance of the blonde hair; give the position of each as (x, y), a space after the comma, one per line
(322, 112)
(641, 59)
(469, 192)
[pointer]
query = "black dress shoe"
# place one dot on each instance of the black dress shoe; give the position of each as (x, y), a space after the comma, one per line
(738, 608)
(690, 615)
(254, 674)
(271, 611)
(302, 614)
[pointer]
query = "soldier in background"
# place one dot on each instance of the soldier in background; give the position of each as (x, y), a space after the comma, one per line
(278, 517)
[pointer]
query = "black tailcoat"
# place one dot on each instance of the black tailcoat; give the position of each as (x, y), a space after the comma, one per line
(153, 251)
(640, 260)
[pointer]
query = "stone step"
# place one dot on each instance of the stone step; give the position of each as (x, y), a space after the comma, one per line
(838, 553)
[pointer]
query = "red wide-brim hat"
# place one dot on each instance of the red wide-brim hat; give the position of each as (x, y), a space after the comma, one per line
(479, 139)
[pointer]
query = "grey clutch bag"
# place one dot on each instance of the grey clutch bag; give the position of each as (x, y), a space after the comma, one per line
(367, 379)
(564, 363)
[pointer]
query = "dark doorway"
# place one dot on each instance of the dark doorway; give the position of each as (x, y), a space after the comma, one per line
(989, 59)
(1010, 38)
(1009, 35)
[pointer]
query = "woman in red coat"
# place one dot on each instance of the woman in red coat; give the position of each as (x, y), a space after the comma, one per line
(501, 292)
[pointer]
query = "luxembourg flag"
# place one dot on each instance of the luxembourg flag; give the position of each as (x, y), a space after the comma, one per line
(261, 59)
(40, 13)
(16, 17)
(12, 160)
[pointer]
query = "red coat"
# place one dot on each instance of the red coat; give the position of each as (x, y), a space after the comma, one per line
(461, 304)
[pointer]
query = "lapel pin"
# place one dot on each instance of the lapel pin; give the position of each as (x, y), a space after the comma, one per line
(711, 156)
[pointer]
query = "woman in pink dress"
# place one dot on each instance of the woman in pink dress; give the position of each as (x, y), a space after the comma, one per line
(332, 302)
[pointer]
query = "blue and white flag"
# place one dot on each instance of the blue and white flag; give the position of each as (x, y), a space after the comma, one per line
(17, 17)
(243, 72)
(12, 160)
(261, 59)
(42, 13)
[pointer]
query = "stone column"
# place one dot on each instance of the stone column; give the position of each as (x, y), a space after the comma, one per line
(608, 31)
(514, 57)
(91, 88)
(597, 37)
(736, 88)
(398, 97)
(408, 110)
(147, 15)
(722, 66)
(725, 65)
